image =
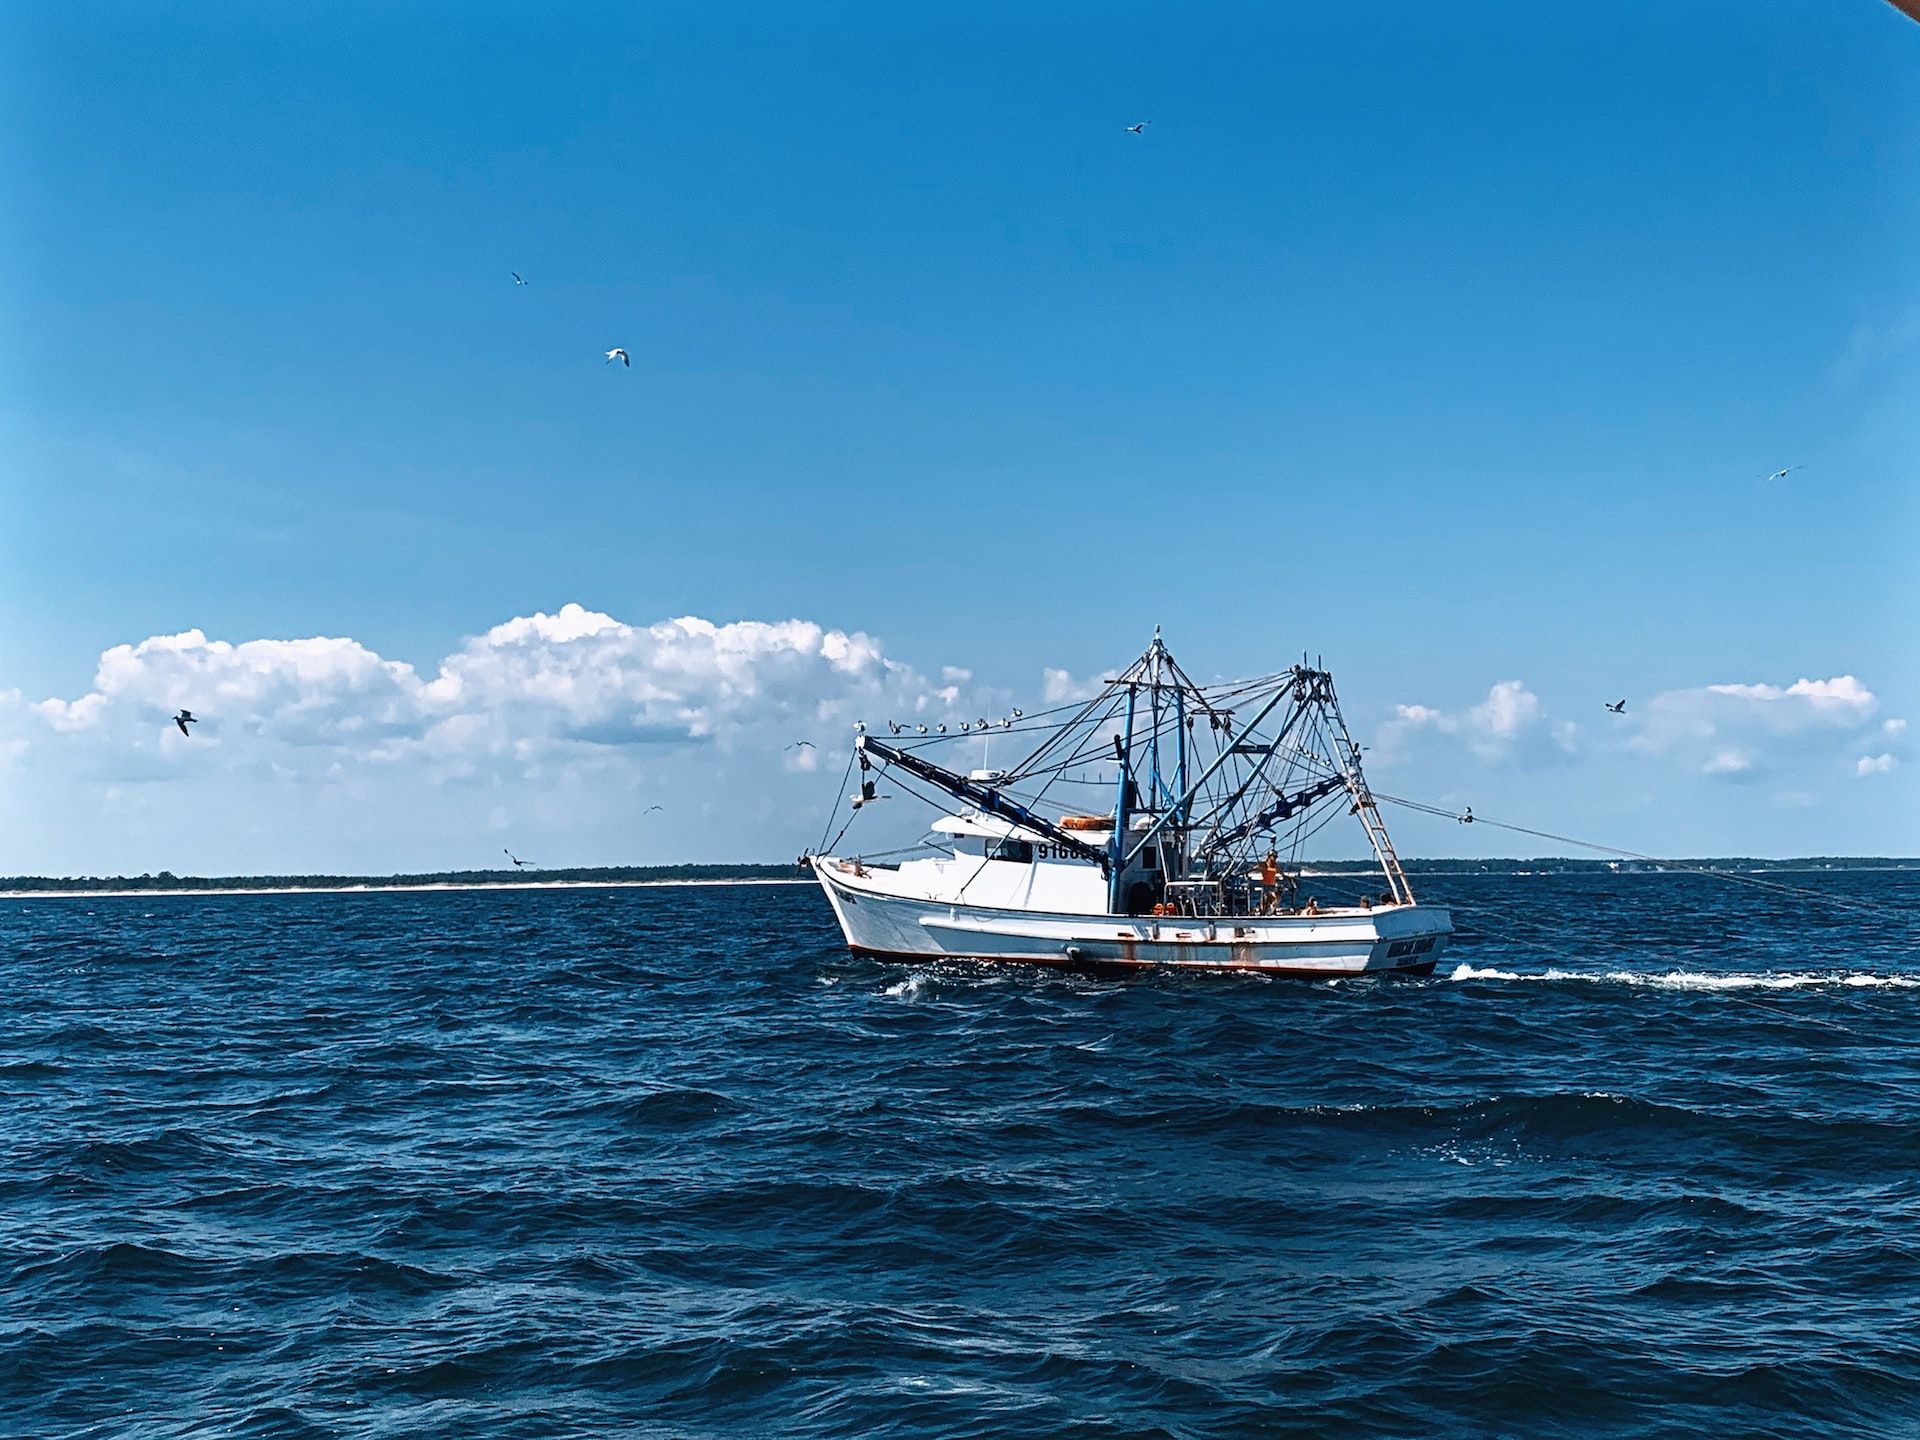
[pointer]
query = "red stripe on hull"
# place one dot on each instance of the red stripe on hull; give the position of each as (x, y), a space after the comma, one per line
(1094, 967)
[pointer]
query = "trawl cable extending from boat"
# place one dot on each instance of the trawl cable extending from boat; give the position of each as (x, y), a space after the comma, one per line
(1177, 862)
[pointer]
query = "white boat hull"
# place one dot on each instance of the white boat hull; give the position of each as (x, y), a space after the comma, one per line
(1403, 938)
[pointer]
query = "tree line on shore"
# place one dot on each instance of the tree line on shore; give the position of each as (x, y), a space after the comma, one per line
(601, 874)
(615, 874)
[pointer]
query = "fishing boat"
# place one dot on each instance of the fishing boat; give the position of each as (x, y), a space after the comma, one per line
(1158, 823)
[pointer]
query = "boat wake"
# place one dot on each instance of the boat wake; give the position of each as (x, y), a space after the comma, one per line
(1699, 980)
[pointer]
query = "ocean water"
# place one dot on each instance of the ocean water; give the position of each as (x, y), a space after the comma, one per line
(1641, 1159)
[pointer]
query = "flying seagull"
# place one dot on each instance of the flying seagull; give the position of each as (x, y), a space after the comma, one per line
(1618, 707)
(799, 745)
(518, 863)
(184, 719)
(621, 356)
(651, 808)
(516, 278)
(1782, 474)
(1140, 129)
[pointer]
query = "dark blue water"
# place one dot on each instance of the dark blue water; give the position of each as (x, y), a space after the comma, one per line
(667, 1162)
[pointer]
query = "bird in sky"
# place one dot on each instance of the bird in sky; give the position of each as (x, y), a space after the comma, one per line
(1618, 707)
(518, 863)
(651, 808)
(516, 278)
(799, 745)
(1140, 129)
(1782, 474)
(184, 719)
(621, 356)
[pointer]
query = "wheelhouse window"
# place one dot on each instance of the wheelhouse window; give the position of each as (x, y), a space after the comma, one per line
(1020, 852)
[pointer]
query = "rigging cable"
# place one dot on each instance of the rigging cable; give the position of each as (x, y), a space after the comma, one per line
(1733, 875)
(852, 755)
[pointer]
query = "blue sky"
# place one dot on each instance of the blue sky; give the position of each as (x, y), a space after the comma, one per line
(1446, 344)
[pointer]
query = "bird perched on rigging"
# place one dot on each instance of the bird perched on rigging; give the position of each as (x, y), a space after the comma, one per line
(1140, 129)
(184, 719)
(518, 863)
(621, 356)
(1618, 707)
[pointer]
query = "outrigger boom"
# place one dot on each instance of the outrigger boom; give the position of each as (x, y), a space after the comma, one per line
(1171, 871)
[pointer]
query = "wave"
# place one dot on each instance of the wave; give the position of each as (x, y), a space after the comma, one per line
(1698, 979)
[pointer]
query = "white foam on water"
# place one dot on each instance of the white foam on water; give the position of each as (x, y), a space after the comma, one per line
(1699, 980)
(909, 989)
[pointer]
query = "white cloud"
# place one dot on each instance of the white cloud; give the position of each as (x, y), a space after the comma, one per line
(1730, 761)
(1511, 724)
(1841, 695)
(1058, 687)
(1727, 731)
(1879, 764)
(1767, 719)
(529, 688)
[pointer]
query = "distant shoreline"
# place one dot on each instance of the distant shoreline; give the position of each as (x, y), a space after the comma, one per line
(380, 888)
(165, 884)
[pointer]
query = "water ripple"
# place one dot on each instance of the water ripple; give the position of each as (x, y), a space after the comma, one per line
(1640, 1161)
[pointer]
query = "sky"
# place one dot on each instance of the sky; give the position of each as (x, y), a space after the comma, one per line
(1448, 343)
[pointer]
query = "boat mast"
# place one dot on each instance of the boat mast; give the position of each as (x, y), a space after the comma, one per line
(1363, 803)
(1179, 824)
(1123, 753)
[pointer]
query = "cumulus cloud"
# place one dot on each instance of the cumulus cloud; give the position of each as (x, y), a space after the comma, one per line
(1059, 687)
(1731, 761)
(1510, 724)
(1730, 731)
(523, 690)
(1765, 723)
(1841, 696)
